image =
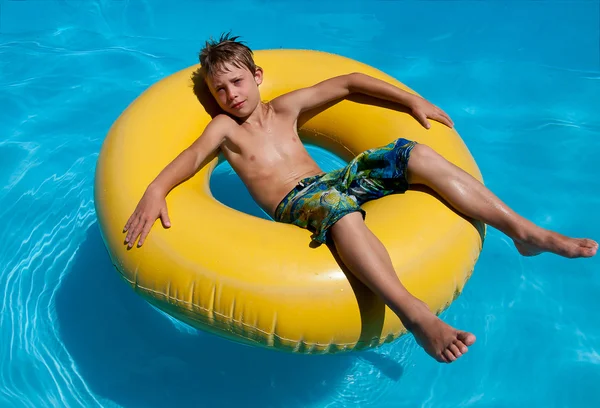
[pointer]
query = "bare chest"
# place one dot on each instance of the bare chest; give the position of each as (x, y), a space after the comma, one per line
(272, 143)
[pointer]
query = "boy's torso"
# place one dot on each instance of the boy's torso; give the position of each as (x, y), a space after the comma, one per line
(270, 159)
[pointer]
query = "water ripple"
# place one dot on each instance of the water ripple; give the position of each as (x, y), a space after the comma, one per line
(38, 47)
(39, 262)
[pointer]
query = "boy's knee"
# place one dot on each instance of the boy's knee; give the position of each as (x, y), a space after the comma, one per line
(423, 152)
(423, 157)
(423, 160)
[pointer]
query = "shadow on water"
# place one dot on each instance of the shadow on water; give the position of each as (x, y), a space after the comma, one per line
(132, 354)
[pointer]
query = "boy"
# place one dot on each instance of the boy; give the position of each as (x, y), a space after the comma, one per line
(261, 143)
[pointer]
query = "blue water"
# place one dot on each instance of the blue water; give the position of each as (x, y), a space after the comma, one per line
(521, 81)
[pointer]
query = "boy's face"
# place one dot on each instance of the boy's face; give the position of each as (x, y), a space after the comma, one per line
(236, 89)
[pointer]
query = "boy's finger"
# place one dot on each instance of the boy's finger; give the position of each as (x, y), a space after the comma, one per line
(145, 232)
(445, 120)
(131, 228)
(135, 232)
(449, 119)
(164, 217)
(128, 223)
(423, 120)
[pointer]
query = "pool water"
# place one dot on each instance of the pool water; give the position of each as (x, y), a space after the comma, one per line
(521, 81)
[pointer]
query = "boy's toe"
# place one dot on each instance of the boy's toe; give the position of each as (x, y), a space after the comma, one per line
(449, 355)
(455, 350)
(467, 338)
(461, 346)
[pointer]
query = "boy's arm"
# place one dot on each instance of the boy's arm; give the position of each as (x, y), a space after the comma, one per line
(153, 205)
(193, 158)
(344, 85)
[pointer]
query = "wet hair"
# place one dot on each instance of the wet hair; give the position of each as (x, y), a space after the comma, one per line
(227, 50)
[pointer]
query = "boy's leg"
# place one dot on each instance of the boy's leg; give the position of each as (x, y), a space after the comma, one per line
(467, 195)
(366, 257)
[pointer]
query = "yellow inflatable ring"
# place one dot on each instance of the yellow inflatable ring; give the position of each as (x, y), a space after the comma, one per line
(257, 281)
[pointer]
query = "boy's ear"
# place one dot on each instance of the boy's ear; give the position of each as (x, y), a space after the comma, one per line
(258, 75)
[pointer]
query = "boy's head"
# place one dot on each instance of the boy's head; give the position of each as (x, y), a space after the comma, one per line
(228, 68)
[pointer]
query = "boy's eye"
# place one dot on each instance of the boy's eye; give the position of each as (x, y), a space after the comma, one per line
(237, 80)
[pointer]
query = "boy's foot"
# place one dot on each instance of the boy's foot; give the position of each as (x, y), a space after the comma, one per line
(549, 241)
(439, 340)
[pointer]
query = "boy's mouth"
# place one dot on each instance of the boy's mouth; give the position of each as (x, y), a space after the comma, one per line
(238, 105)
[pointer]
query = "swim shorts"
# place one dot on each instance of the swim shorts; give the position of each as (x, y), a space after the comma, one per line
(318, 202)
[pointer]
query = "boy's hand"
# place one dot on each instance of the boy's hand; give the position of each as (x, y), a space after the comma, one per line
(151, 206)
(422, 109)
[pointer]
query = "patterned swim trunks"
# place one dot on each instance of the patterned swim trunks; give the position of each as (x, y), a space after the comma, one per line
(318, 202)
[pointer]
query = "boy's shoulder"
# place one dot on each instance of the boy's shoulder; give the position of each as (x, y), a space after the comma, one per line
(222, 121)
(221, 126)
(287, 102)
